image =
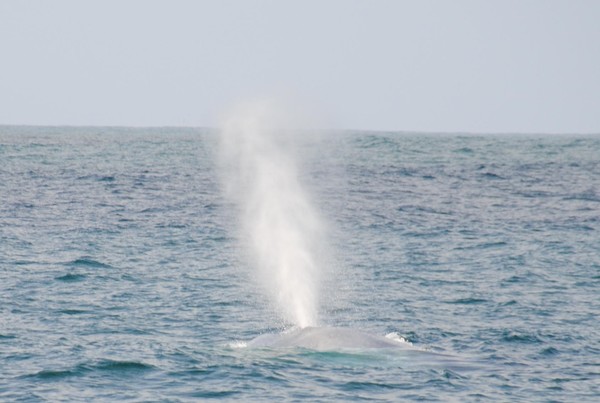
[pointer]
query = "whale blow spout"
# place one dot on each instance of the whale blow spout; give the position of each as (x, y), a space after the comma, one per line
(280, 228)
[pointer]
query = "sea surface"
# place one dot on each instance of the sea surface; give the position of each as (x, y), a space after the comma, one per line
(122, 279)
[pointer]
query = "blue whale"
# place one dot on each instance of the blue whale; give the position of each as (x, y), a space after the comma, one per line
(381, 350)
(325, 339)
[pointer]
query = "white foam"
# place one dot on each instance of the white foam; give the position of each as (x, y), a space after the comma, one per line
(237, 344)
(396, 337)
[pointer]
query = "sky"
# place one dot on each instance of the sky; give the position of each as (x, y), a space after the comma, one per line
(508, 66)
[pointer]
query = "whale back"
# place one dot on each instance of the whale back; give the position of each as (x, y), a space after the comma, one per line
(325, 338)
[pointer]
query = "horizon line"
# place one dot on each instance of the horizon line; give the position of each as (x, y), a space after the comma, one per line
(373, 131)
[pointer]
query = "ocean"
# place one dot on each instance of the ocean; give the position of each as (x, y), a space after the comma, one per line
(126, 271)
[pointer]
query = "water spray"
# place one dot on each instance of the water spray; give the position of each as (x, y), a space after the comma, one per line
(278, 221)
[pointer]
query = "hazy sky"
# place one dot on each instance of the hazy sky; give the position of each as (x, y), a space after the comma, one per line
(478, 66)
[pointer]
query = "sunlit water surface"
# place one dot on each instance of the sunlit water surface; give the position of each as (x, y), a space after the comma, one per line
(121, 276)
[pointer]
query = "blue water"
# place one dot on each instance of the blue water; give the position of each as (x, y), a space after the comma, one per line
(121, 275)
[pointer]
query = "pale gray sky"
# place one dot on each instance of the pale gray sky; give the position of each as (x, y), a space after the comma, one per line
(478, 66)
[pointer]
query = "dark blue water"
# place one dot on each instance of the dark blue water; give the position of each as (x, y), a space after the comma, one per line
(120, 276)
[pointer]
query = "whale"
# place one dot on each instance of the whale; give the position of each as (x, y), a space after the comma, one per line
(353, 344)
(326, 339)
(360, 348)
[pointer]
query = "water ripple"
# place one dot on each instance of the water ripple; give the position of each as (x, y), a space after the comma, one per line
(120, 277)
